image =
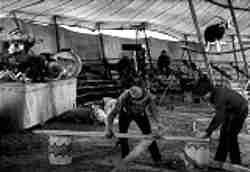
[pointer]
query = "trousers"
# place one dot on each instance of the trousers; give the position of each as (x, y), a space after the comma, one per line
(143, 123)
(228, 141)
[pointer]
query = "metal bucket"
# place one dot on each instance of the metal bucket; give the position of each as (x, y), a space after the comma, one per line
(198, 153)
(60, 150)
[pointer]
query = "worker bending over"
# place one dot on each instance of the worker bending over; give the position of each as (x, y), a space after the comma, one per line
(134, 104)
(231, 112)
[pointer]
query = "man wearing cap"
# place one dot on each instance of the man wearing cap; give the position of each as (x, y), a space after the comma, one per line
(231, 111)
(134, 104)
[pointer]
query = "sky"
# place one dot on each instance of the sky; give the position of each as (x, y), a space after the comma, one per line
(123, 33)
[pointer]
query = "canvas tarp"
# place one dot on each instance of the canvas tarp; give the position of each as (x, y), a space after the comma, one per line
(88, 46)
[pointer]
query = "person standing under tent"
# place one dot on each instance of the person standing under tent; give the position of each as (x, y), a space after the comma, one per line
(231, 112)
(141, 61)
(163, 63)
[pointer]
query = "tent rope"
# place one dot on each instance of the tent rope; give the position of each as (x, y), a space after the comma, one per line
(49, 9)
(29, 5)
(226, 6)
(10, 4)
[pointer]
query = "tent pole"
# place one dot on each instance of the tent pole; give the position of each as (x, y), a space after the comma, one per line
(102, 56)
(18, 25)
(57, 34)
(238, 35)
(148, 49)
(186, 43)
(101, 44)
(136, 38)
(235, 54)
(198, 32)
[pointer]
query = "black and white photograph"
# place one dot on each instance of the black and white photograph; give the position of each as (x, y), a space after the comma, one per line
(124, 85)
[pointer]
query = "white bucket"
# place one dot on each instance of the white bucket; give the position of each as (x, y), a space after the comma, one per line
(60, 150)
(198, 152)
(201, 124)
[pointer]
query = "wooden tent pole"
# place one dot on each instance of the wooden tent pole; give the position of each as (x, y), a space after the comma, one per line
(186, 43)
(101, 43)
(198, 32)
(235, 54)
(18, 25)
(57, 34)
(102, 55)
(148, 48)
(238, 35)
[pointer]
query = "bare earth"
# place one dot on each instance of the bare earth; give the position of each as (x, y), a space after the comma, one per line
(26, 152)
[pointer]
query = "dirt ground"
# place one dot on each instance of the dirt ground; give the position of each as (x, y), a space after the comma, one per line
(27, 152)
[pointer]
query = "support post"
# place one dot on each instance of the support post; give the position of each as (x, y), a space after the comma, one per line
(136, 40)
(198, 32)
(16, 21)
(148, 49)
(101, 43)
(235, 54)
(102, 56)
(57, 34)
(238, 35)
(188, 52)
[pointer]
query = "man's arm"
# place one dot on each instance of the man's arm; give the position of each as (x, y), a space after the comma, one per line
(152, 110)
(112, 114)
(218, 118)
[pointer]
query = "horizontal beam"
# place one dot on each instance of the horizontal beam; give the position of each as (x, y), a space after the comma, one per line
(71, 133)
(228, 167)
(215, 53)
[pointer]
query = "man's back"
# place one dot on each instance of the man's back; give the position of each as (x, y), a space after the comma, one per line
(229, 98)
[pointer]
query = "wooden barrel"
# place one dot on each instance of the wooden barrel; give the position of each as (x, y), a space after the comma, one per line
(198, 153)
(60, 150)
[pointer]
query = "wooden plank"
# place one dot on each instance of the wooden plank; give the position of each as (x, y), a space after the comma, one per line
(228, 166)
(143, 146)
(71, 133)
(139, 167)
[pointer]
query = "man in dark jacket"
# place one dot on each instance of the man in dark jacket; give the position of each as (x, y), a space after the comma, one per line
(231, 112)
(134, 104)
(163, 63)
